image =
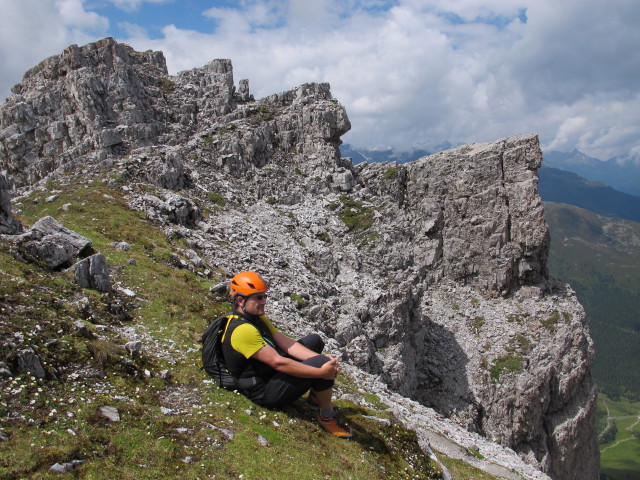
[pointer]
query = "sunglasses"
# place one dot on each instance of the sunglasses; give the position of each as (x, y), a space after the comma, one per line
(259, 297)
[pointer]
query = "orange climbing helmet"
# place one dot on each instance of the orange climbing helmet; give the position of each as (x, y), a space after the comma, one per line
(247, 283)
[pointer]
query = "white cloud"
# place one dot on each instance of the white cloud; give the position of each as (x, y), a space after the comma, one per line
(568, 133)
(74, 16)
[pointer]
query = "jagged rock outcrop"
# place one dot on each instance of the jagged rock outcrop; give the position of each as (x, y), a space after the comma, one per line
(430, 276)
(97, 99)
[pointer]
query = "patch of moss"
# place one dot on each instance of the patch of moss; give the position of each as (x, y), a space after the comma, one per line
(477, 323)
(167, 85)
(551, 322)
(354, 214)
(325, 237)
(297, 299)
(217, 199)
(390, 173)
(510, 363)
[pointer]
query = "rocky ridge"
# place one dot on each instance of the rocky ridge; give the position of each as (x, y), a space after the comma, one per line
(428, 278)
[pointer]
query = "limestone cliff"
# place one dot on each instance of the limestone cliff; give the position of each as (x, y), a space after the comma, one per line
(429, 277)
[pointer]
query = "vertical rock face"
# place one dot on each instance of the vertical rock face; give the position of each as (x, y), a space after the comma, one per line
(470, 214)
(431, 276)
(470, 323)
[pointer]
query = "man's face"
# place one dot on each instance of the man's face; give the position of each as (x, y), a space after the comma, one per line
(254, 304)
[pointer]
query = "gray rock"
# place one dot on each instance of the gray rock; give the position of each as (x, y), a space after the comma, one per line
(228, 434)
(124, 246)
(61, 467)
(93, 272)
(107, 115)
(133, 348)
(29, 362)
(175, 209)
(220, 288)
(83, 330)
(167, 173)
(50, 242)
(110, 413)
(86, 373)
(49, 226)
(5, 372)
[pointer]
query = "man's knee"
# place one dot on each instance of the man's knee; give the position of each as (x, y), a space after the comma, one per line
(313, 341)
(317, 361)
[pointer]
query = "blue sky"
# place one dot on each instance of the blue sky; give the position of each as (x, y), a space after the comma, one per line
(411, 73)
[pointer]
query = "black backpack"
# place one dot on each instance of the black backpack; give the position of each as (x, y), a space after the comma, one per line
(212, 357)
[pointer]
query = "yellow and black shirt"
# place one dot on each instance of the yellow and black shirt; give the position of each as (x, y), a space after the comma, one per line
(244, 336)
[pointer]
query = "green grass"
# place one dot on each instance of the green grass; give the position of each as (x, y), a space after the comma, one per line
(509, 363)
(354, 214)
(56, 420)
(620, 457)
(460, 470)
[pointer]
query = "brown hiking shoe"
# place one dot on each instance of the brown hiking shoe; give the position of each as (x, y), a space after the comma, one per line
(335, 426)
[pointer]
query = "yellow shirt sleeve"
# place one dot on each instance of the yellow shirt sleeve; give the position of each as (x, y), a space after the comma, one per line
(247, 340)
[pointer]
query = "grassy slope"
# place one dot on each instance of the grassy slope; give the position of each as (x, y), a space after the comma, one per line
(49, 421)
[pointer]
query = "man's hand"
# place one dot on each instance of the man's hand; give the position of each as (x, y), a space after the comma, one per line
(330, 369)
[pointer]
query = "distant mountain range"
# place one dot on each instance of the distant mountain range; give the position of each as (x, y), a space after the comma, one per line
(566, 187)
(359, 155)
(623, 175)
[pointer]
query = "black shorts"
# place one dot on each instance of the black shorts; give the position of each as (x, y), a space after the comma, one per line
(282, 389)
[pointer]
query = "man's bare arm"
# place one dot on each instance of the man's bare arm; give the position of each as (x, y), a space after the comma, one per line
(270, 356)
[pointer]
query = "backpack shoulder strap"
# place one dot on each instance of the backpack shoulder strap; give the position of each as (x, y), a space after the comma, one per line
(230, 317)
(215, 326)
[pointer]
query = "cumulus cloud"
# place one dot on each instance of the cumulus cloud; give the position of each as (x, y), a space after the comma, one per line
(411, 73)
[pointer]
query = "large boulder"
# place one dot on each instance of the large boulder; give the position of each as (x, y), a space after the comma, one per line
(50, 242)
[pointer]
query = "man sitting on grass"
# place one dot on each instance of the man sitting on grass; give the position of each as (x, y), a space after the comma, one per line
(272, 369)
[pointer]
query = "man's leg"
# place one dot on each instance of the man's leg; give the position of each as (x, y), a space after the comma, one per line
(324, 400)
(313, 342)
(283, 389)
(328, 417)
